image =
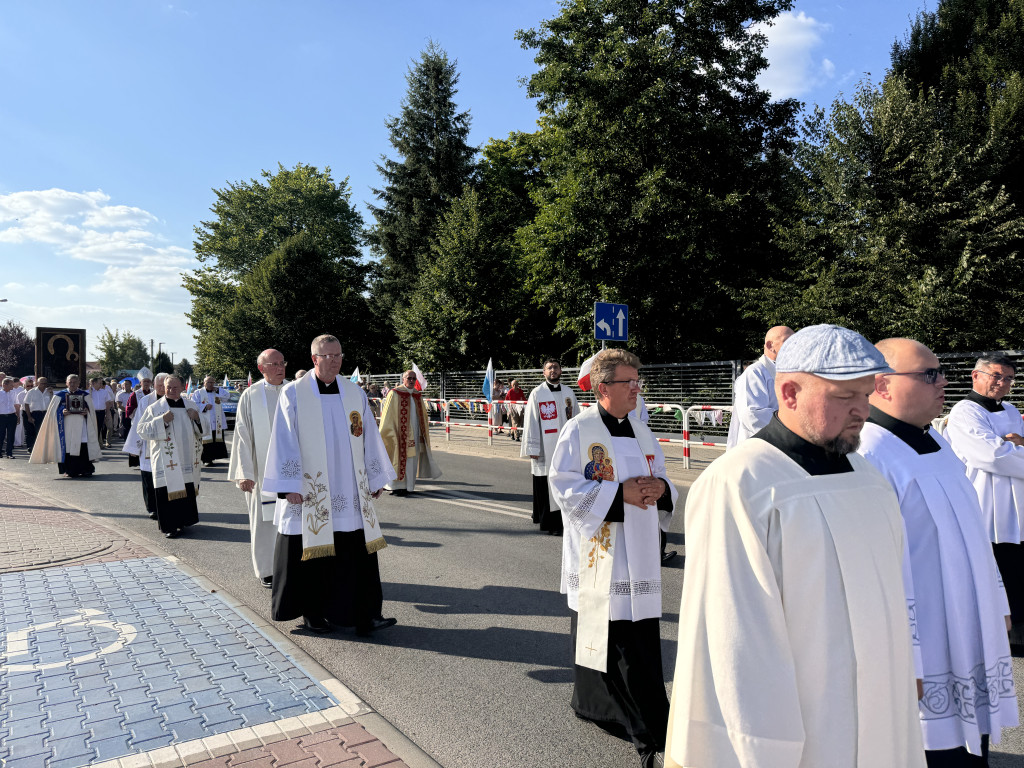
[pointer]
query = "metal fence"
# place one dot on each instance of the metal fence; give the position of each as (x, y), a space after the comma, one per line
(689, 384)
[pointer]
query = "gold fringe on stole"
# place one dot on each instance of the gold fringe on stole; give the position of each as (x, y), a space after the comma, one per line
(207, 440)
(376, 545)
(320, 550)
(175, 495)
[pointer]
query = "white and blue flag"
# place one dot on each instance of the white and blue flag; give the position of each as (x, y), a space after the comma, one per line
(489, 380)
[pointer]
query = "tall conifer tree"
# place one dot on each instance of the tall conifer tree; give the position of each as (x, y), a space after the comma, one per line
(434, 163)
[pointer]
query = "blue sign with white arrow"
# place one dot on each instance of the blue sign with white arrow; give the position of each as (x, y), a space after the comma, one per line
(611, 321)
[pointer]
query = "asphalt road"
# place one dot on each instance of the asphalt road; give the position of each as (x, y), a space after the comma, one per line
(477, 672)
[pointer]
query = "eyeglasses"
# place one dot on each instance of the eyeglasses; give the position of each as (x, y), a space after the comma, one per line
(633, 383)
(928, 375)
(996, 378)
(281, 364)
(329, 357)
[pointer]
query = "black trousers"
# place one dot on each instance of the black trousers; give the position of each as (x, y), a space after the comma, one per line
(344, 589)
(101, 426)
(549, 520)
(1010, 559)
(8, 423)
(32, 430)
(628, 700)
(958, 758)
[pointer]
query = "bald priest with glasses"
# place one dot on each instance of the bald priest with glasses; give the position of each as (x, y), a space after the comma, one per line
(987, 433)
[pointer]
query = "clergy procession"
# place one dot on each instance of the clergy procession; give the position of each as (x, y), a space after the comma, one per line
(854, 579)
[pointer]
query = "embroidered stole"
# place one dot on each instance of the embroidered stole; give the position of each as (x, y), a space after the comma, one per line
(262, 420)
(353, 404)
(167, 453)
(597, 462)
(317, 530)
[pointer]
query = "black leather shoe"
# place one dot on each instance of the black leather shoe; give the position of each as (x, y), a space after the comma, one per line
(267, 581)
(668, 555)
(320, 626)
(379, 623)
(172, 535)
(399, 492)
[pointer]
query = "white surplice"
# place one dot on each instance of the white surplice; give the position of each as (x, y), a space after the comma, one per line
(794, 649)
(284, 459)
(546, 413)
(185, 431)
(753, 401)
(249, 447)
(636, 568)
(134, 444)
(995, 466)
(959, 602)
(202, 398)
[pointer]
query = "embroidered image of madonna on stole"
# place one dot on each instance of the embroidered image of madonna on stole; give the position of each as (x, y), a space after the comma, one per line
(355, 424)
(599, 468)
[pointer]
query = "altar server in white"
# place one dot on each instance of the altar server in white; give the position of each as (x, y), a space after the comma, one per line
(327, 460)
(249, 446)
(956, 603)
(986, 433)
(135, 446)
(753, 392)
(548, 408)
(210, 398)
(794, 647)
(608, 477)
(171, 426)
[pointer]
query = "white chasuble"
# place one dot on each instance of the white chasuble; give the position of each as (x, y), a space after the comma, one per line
(546, 413)
(995, 466)
(610, 571)
(794, 648)
(250, 443)
(294, 437)
(174, 448)
(959, 602)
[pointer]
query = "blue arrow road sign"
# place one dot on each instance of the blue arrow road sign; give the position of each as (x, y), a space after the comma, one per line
(611, 321)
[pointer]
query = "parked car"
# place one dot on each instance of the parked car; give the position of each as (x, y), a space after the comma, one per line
(230, 408)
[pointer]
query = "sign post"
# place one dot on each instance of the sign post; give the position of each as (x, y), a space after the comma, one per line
(611, 322)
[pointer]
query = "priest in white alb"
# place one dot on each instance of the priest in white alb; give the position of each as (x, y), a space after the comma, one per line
(548, 408)
(955, 600)
(406, 436)
(135, 446)
(210, 398)
(608, 478)
(68, 434)
(172, 428)
(249, 447)
(987, 432)
(132, 444)
(794, 648)
(753, 392)
(327, 464)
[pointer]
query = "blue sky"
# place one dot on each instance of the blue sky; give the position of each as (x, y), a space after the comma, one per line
(117, 119)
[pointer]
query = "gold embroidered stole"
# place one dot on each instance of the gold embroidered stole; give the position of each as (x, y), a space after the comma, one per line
(353, 403)
(317, 531)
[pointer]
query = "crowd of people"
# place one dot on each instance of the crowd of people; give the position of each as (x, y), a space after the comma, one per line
(854, 583)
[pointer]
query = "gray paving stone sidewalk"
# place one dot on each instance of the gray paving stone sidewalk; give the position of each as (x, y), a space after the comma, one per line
(112, 655)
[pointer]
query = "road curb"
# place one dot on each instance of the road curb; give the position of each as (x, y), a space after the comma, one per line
(361, 712)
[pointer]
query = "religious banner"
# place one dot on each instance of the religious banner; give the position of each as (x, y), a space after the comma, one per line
(59, 353)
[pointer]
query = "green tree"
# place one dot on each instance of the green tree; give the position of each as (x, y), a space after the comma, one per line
(161, 363)
(472, 302)
(294, 295)
(661, 163)
(120, 351)
(252, 220)
(434, 164)
(184, 369)
(17, 350)
(899, 233)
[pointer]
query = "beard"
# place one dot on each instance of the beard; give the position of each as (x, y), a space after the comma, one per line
(840, 446)
(553, 379)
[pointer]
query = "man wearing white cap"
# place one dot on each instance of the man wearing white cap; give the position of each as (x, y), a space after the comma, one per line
(794, 646)
(955, 600)
(753, 399)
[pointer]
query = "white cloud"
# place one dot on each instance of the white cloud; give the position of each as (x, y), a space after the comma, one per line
(793, 69)
(78, 225)
(107, 259)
